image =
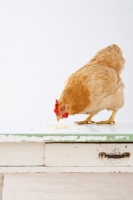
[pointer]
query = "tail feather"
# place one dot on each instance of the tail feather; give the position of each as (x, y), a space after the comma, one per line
(110, 56)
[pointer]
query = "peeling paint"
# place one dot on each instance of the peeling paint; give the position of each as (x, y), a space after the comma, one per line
(67, 138)
(92, 138)
(122, 137)
(20, 131)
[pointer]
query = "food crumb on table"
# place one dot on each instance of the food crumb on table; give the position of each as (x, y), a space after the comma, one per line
(59, 127)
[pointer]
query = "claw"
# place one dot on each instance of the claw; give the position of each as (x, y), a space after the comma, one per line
(85, 122)
(106, 122)
(110, 121)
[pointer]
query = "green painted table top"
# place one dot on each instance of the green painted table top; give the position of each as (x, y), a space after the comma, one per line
(41, 131)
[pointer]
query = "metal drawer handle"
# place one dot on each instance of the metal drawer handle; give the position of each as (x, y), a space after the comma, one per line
(124, 155)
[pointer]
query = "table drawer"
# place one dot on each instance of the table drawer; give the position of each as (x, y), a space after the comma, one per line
(87, 154)
(22, 154)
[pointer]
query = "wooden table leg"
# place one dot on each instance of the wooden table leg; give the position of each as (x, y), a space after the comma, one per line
(1, 184)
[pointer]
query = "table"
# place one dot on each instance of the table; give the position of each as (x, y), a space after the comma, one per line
(40, 147)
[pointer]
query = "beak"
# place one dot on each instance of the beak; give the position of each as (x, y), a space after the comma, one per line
(58, 118)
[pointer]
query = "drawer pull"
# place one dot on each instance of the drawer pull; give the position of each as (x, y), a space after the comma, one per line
(104, 155)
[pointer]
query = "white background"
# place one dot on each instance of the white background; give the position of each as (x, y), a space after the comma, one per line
(42, 42)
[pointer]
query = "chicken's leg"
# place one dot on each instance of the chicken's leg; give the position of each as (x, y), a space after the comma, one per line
(87, 120)
(110, 120)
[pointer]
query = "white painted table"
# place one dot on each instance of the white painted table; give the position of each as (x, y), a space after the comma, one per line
(37, 146)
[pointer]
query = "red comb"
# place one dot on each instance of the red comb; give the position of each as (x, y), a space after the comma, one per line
(56, 107)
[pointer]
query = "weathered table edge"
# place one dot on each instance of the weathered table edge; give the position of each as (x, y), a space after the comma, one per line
(66, 138)
(44, 169)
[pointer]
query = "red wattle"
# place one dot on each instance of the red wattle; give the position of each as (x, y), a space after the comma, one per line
(65, 115)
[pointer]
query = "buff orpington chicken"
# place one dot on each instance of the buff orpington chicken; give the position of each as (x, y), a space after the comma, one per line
(94, 87)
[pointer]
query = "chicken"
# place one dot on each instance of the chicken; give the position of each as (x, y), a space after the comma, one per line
(94, 87)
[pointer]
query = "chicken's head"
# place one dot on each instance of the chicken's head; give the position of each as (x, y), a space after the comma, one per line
(61, 111)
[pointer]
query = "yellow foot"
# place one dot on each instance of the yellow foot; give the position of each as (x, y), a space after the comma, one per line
(85, 122)
(106, 122)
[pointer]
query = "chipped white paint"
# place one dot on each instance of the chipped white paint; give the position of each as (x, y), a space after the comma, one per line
(64, 138)
(10, 170)
(39, 131)
(63, 154)
(24, 148)
(92, 138)
(122, 137)
(1, 184)
(87, 154)
(63, 157)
